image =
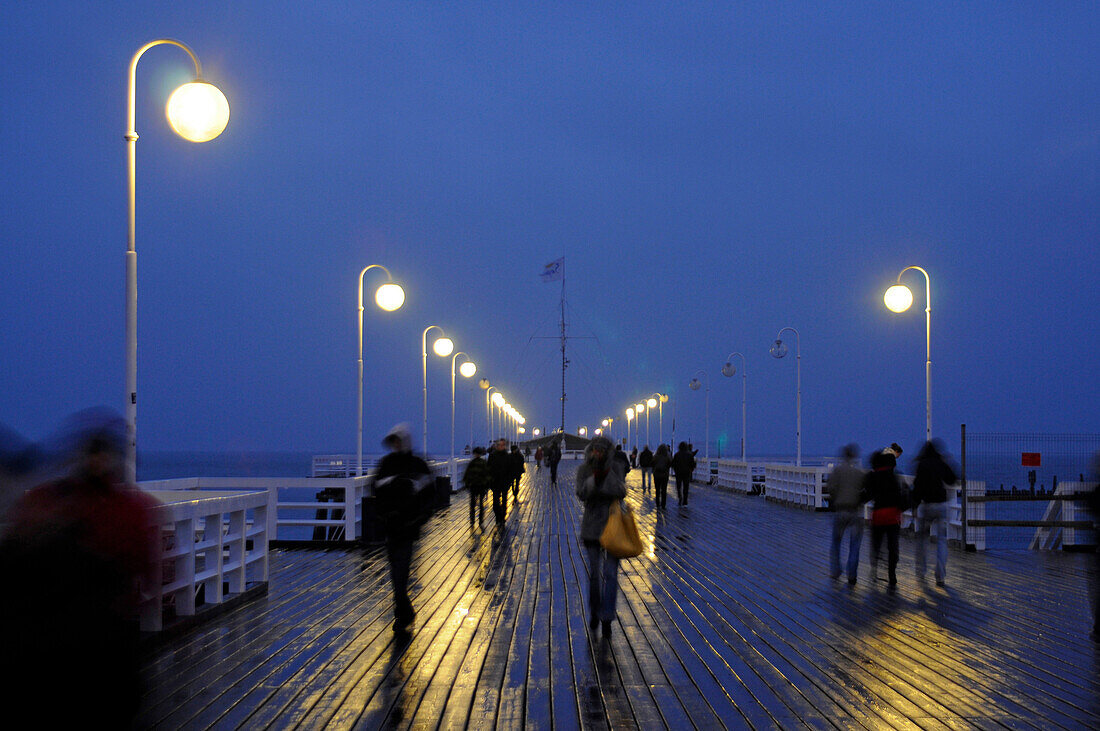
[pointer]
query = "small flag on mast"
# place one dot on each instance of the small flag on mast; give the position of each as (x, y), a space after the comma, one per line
(553, 271)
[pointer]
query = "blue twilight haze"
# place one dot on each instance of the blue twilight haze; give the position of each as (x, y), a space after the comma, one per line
(711, 173)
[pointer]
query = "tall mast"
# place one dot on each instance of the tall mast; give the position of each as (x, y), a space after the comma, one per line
(564, 361)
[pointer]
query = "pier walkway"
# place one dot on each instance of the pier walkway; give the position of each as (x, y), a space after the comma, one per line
(728, 620)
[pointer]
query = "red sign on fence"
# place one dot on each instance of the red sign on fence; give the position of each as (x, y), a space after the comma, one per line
(1030, 459)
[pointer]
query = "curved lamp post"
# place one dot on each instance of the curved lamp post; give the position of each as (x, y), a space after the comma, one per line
(694, 386)
(498, 402)
(389, 297)
(442, 347)
(658, 400)
(898, 299)
(483, 384)
(467, 369)
(639, 409)
(778, 351)
(197, 111)
(728, 370)
(629, 415)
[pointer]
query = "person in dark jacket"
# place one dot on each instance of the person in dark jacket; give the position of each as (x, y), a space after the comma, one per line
(683, 464)
(519, 466)
(846, 499)
(553, 456)
(662, 463)
(477, 479)
(929, 503)
(622, 459)
(633, 458)
(395, 483)
(882, 487)
(500, 472)
(600, 482)
(645, 461)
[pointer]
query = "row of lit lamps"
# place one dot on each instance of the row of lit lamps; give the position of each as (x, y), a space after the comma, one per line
(898, 298)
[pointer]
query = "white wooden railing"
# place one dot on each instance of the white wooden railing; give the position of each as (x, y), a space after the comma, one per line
(734, 475)
(207, 539)
(803, 486)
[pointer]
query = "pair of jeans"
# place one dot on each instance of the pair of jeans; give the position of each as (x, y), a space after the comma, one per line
(647, 478)
(399, 554)
(603, 582)
(660, 489)
(477, 501)
(500, 504)
(682, 484)
(848, 522)
(890, 531)
(932, 515)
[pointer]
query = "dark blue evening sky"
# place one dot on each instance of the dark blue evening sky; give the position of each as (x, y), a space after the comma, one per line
(712, 172)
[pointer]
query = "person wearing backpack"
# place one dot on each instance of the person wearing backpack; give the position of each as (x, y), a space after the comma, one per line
(397, 481)
(476, 478)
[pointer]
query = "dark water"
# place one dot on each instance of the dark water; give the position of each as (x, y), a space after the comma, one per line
(169, 465)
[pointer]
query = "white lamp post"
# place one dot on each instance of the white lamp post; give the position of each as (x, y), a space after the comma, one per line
(467, 369)
(728, 370)
(442, 347)
(778, 351)
(484, 385)
(629, 416)
(694, 386)
(498, 402)
(638, 410)
(197, 111)
(898, 299)
(659, 400)
(389, 297)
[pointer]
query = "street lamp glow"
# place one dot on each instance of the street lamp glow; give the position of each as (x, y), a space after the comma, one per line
(639, 408)
(467, 369)
(583, 431)
(498, 399)
(197, 111)
(389, 297)
(537, 431)
(393, 305)
(604, 422)
(629, 414)
(443, 347)
(651, 403)
(898, 298)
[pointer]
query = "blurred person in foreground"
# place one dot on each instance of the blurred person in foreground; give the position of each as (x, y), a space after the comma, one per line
(477, 479)
(929, 503)
(500, 473)
(600, 481)
(399, 489)
(883, 488)
(846, 497)
(73, 562)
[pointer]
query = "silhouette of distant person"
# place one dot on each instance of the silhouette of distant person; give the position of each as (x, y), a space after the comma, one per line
(500, 472)
(883, 488)
(477, 479)
(662, 463)
(683, 464)
(553, 457)
(73, 563)
(645, 461)
(519, 466)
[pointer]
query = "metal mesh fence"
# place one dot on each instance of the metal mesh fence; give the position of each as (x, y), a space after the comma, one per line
(1021, 489)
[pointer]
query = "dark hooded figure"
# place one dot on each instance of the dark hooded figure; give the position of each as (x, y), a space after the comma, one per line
(929, 498)
(553, 456)
(396, 481)
(500, 473)
(683, 464)
(73, 561)
(645, 461)
(477, 479)
(600, 482)
(519, 466)
(883, 488)
(662, 463)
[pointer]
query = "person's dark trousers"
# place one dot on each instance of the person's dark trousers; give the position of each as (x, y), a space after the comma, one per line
(553, 473)
(891, 532)
(515, 489)
(660, 489)
(500, 504)
(477, 499)
(682, 484)
(399, 554)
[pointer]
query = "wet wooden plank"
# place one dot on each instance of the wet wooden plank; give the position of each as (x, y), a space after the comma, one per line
(730, 620)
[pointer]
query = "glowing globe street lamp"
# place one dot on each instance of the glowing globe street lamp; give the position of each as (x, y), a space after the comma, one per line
(197, 111)
(467, 369)
(389, 297)
(694, 385)
(629, 416)
(498, 402)
(443, 346)
(658, 400)
(898, 298)
(779, 350)
(728, 370)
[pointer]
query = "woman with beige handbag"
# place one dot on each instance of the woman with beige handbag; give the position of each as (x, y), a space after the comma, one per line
(600, 483)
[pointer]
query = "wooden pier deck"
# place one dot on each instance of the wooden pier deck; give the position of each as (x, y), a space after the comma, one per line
(729, 620)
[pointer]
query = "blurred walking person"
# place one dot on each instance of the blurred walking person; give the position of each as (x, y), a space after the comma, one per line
(76, 557)
(662, 463)
(553, 456)
(600, 481)
(500, 473)
(846, 498)
(477, 479)
(933, 475)
(398, 486)
(539, 454)
(683, 464)
(519, 466)
(883, 488)
(645, 461)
